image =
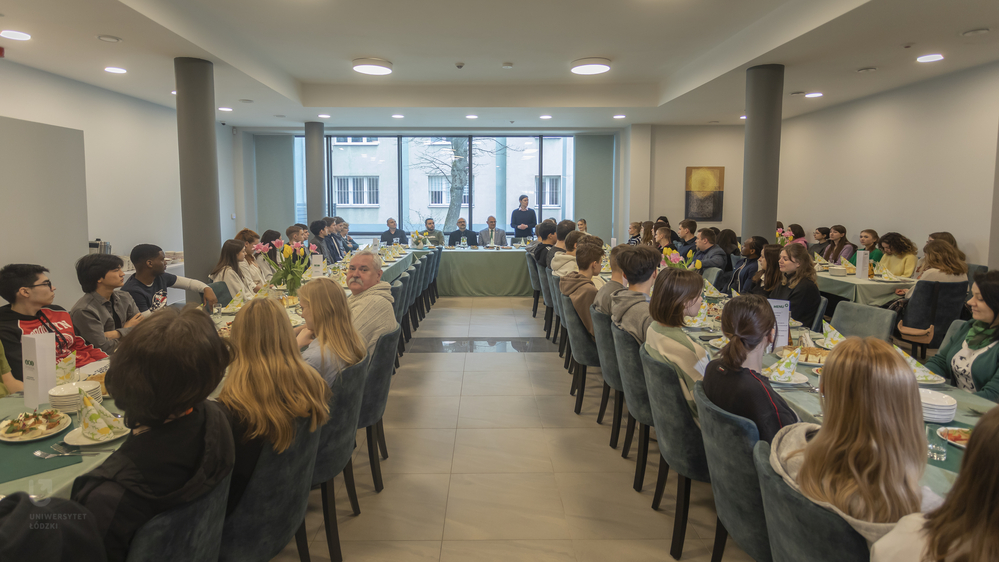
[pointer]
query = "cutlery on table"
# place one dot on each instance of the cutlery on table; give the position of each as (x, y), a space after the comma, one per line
(66, 448)
(44, 455)
(974, 412)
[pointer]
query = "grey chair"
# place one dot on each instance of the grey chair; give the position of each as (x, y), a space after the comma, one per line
(192, 531)
(221, 291)
(629, 363)
(437, 271)
(711, 275)
(584, 349)
(681, 446)
(267, 516)
(952, 331)
(425, 277)
(852, 319)
(818, 535)
(336, 446)
(820, 314)
(734, 258)
(728, 444)
(546, 293)
(532, 272)
(427, 297)
(397, 290)
(414, 297)
(408, 323)
(609, 370)
(556, 306)
(376, 391)
(561, 334)
(400, 311)
(933, 307)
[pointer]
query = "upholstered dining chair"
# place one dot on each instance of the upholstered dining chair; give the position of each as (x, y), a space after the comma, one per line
(629, 362)
(398, 289)
(820, 314)
(557, 305)
(221, 291)
(376, 391)
(681, 446)
(426, 294)
(437, 271)
(711, 275)
(414, 297)
(932, 308)
(192, 531)
(532, 272)
(426, 273)
(609, 370)
(267, 516)
(861, 320)
(728, 444)
(809, 531)
(409, 323)
(584, 349)
(546, 293)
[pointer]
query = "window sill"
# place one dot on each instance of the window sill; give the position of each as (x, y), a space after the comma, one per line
(444, 206)
(356, 206)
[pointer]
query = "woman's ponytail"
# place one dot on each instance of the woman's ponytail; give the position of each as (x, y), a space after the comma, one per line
(746, 321)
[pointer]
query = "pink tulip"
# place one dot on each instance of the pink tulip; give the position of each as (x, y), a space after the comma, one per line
(261, 248)
(278, 243)
(313, 248)
(675, 258)
(297, 245)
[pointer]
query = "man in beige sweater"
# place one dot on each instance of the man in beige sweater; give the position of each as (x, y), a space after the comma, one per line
(371, 298)
(578, 285)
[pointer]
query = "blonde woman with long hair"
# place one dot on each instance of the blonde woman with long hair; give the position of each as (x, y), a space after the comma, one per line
(865, 461)
(330, 338)
(268, 388)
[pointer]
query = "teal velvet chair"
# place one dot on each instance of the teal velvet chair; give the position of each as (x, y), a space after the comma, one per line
(414, 297)
(408, 322)
(803, 530)
(221, 291)
(268, 516)
(546, 294)
(728, 445)
(437, 271)
(711, 275)
(583, 349)
(532, 272)
(192, 531)
(819, 314)
(852, 319)
(556, 306)
(376, 391)
(681, 446)
(934, 305)
(397, 294)
(636, 393)
(426, 273)
(609, 370)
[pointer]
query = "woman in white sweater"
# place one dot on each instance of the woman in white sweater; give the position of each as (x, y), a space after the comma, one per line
(228, 270)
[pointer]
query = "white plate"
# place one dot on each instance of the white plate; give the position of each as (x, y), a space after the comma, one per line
(77, 438)
(795, 324)
(718, 343)
(63, 424)
(797, 378)
(91, 369)
(73, 388)
(817, 371)
(942, 432)
(939, 400)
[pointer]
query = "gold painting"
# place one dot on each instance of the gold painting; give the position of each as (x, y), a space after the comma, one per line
(705, 193)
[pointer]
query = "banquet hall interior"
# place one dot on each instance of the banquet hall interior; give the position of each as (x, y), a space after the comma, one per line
(182, 123)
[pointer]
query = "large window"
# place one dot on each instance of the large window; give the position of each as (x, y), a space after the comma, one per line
(355, 190)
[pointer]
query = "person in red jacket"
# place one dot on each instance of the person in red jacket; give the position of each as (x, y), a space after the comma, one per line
(30, 293)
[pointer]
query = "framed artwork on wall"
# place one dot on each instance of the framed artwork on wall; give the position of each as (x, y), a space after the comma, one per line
(704, 193)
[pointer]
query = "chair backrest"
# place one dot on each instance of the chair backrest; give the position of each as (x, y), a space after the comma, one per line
(819, 314)
(728, 445)
(861, 320)
(268, 515)
(556, 292)
(629, 364)
(818, 535)
(418, 282)
(397, 290)
(934, 304)
(437, 263)
(681, 443)
(605, 348)
(192, 531)
(952, 331)
(532, 271)
(427, 273)
(379, 377)
(711, 275)
(221, 291)
(336, 443)
(974, 269)
(584, 349)
(411, 288)
(546, 287)
(734, 258)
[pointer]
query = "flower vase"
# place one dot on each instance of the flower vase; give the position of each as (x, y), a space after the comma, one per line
(419, 245)
(293, 283)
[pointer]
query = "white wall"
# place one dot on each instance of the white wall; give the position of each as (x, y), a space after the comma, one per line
(915, 160)
(227, 192)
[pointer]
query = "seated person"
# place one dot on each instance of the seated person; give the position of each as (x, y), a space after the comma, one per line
(562, 230)
(822, 241)
(687, 238)
(630, 307)
(181, 445)
(266, 269)
(869, 239)
(734, 382)
(268, 388)
(320, 229)
(103, 315)
(616, 283)
(370, 298)
(565, 262)
(335, 251)
(664, 239)
(227, 270)
(249, 267)
(899, 254)
(491, 236)
(393, 235)
(677, 294)
(347, 240)
(648, 234)
(332, 342)
(578, 284)
(335, 237)
(971, 358)
(546, 240)
(728, 241)
(963, 528)
(148, 286)
(865, 461)
(634, 234)
(8, 384)
(798, 235)
(454, 239)
(797, 284)
(30, 294)
(839, 248)
(745, 270)
(768, 276)
(435, 236)
(941, 262)
(709, 253)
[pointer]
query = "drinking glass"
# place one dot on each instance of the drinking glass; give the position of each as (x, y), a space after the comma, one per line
(395, 241)
(937, 449)
(464, 241)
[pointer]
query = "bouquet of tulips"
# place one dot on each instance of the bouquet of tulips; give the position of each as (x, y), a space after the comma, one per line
(784, 235)
(672, 258)
(294, 262)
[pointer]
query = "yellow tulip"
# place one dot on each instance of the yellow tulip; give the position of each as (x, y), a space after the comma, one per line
(697, 264)
(690, 254)
(287, 251)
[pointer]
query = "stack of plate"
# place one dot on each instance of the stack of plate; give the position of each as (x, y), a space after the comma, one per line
(937, 407)
(66, 397)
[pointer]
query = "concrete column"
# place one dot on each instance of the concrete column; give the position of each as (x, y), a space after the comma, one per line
(761, 167)
(315, 196)
(199, 172)
(502, 213)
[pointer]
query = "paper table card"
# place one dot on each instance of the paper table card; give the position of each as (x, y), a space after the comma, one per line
(317, 265)
(863, 259)
(613, 242)
(782, 310)
(39, 357)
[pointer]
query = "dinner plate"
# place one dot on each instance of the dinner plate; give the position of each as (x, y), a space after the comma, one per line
(795, 324)
(73, 389)
(936, 400)
(929, 378)
(64, 422)
(949, 434)
(817, 371)
(77, 438)
(796, 379)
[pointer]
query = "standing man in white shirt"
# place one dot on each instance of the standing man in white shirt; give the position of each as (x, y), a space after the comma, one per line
(491, 236)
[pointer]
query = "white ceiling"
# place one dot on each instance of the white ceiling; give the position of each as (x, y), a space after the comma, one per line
(674, 61)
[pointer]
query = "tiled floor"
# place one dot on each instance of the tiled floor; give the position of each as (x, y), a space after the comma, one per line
(488, 462)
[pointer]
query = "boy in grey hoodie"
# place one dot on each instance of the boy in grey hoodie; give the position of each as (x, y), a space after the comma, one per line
(630, 308)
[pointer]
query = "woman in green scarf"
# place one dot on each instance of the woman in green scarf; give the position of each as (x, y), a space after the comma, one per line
(971, 358)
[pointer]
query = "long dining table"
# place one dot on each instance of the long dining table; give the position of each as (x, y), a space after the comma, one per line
(862, 290)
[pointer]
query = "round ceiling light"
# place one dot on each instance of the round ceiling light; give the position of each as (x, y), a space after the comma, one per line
(620, 116)
(814, 95)
(546, 116)
(507, 65)
(374, 67)
(245, 100)
(279, 116)
(225, 109)
(115, 70)
(398, 116)
(593, 65)
(743, 117)
(867, 69)
(15, 35)
(929, 58)
(979, 31)
(471, 117)
(323, 116)
(174, 92)
(109, 38)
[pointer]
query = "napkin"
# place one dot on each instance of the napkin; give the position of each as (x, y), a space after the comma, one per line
(265, 292)
(235, 304)
(820, 259)
(850, 268)
(710, 291)
(66, 369)
(880, 269)
(735, 293)
(831, 335)
(700, 320)
(922, 373)
(783, 370)
(97, 423)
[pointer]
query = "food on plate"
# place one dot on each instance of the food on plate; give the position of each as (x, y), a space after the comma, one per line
(226, 331)
(289, 300)
(956, 435)
(99, 377)
(507, 247)
(448, 247)
(815, 355)
(715, 310)
(29, 425)
(475, 247)
(817, 371)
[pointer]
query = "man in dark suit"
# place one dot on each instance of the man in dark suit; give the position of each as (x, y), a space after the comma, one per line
(491, 236)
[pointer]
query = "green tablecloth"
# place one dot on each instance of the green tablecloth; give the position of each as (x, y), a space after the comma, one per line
(861, 290)
(484, 273)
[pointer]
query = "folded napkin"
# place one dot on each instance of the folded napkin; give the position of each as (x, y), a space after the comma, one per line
(265, 292)
(710, 291)
(735, 293)
(850, 268)
(922, 373)
(880, 269)
(831, 335)
(97, 423)
(783, 370)
(235, 304)
(820, 259)
(699, 321)
(719, 342)
(66, 369)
